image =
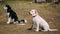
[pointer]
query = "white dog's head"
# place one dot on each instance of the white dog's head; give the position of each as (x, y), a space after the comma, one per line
(33, 12)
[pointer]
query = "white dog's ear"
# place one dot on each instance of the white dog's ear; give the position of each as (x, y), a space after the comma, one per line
(36, 12)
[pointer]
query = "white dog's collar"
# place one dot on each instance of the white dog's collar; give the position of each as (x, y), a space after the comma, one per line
(35, 16)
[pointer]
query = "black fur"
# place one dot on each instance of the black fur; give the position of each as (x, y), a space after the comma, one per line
(12, 14)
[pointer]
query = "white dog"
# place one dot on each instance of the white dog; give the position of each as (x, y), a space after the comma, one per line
(40, 22)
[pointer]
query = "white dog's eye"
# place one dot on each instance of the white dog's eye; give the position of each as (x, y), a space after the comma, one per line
(32, 11)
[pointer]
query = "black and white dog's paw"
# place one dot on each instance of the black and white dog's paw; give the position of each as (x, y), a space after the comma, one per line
(8, 22)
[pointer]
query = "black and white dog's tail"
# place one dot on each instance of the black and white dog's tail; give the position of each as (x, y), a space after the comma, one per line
(22, 22)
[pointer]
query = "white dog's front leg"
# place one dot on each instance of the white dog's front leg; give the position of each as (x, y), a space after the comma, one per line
(37, 27)
(9, 20)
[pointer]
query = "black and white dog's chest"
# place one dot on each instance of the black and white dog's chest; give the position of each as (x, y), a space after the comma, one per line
(11, 14)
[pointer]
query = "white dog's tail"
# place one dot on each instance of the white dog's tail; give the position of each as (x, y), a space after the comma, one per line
(53, 29)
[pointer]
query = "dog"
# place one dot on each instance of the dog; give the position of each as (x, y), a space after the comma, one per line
(12, 16)
(39, 22)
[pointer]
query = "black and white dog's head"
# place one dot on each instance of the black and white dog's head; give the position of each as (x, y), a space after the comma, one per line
(6, 7)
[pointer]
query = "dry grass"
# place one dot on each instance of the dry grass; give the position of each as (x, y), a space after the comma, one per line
(50, 13)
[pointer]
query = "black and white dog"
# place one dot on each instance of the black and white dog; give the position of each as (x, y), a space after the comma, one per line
(12, 16)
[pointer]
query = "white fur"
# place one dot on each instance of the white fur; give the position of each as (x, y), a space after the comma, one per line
(25, 20)
(22, 23)
(9, 20)
(40, 22)
(5, 7)
(8, 14)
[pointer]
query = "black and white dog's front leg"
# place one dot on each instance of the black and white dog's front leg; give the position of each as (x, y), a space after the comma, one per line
(9, 20)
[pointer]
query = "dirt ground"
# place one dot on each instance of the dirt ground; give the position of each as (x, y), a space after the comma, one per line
(51, 13)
